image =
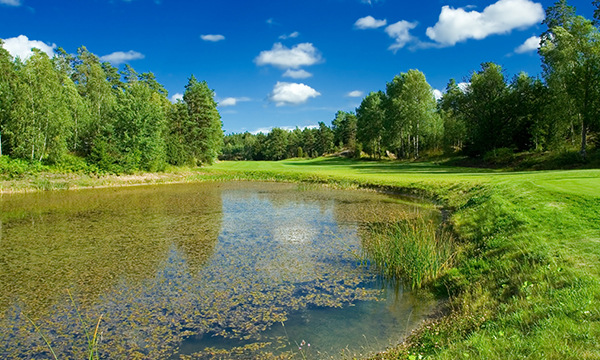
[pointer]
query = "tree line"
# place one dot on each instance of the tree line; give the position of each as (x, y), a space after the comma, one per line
(54, 109)
(75, 106)
(485, 115)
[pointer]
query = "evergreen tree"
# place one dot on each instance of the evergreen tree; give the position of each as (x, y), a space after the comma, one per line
(451, 110)
(177, 149)
(486, 112)
(205, 138)
(276, 144)
(344, 129)
(324, 139)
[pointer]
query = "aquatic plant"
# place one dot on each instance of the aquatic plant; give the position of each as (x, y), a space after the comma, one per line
(92, 341)
(184, 266)
(413, 250)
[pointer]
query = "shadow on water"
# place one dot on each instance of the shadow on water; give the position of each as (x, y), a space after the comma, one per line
(197, 266)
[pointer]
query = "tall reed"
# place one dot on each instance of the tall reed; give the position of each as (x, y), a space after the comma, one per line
(414, 250)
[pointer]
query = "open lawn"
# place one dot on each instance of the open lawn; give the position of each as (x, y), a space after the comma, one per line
(526, 283)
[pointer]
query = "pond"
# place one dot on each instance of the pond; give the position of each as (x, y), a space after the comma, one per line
(207, 270)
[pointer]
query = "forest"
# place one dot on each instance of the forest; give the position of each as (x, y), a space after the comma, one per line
(76, 109)
(490, 115)
(73, 109)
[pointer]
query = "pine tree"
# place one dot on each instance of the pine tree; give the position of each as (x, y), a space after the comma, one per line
(205, 138)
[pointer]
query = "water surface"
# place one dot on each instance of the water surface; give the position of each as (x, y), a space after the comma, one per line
(203, 270)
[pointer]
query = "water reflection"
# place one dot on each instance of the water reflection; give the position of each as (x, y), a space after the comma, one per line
(217, 266)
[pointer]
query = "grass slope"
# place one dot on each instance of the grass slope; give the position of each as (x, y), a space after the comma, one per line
(527, 281)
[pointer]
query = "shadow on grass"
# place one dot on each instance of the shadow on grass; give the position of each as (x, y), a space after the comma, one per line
(389, 166)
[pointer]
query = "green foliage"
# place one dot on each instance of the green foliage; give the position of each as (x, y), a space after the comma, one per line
(138, 129)
(485, 109)
(358, 150)
(571, 56)
(499, 156)
(453, 118)
(8, 78)
(99, 95)
(205, 137)
(370, 123)
(324, 140)
(411, 119)
(13, 168)
(276, 144)
(344, 129)
(74, 164)
(40, 121)
(53, 109)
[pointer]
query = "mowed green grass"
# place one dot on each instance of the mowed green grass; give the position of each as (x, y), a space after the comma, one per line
(527, 281)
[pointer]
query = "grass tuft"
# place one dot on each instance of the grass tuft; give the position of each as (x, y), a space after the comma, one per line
(416, 251)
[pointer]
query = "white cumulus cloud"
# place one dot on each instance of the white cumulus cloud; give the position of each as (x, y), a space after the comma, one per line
(11, 2)
(355, 93)
(458, 25)
(176, 97)
(463, 86)
(304, 54)
(437, 94)
(531, 44)
(231, 101)
(291, 94)
(21, 46)
(212, 38)
(297, 74)
(293, 35)
(400, 31)
(120, 57)
(369, 22)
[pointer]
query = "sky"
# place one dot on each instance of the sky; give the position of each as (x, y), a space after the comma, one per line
(286, 63)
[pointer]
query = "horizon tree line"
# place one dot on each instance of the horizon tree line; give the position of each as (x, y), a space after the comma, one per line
(121, 121)
(55, 109)
(559, 110)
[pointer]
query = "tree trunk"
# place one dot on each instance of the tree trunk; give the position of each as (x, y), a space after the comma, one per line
(417, 150)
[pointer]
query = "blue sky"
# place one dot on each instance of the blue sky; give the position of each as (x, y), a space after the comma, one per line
(286, 63)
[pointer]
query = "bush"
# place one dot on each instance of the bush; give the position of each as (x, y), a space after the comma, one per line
(499, 156)
(17, 167)
(74, 164)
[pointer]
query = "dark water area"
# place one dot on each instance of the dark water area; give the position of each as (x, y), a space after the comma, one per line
(209, 270)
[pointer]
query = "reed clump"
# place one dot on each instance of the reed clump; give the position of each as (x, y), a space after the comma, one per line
(415, 250)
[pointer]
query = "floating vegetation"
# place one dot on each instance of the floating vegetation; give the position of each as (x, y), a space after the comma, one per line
(202, 271)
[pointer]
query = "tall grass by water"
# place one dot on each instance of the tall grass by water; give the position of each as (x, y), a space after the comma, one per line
(413, 250)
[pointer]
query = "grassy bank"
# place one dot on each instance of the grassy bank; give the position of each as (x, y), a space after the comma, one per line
(526, 282)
